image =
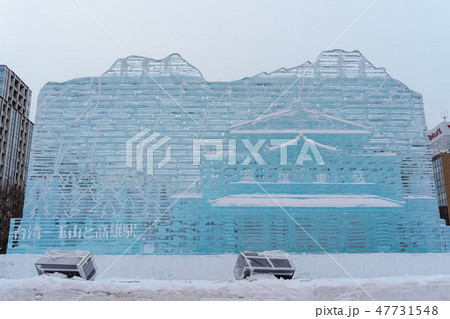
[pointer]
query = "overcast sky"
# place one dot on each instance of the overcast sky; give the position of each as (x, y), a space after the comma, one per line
(55, 40)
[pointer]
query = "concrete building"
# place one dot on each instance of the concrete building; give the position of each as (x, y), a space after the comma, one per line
(439, 138)
(15, 145)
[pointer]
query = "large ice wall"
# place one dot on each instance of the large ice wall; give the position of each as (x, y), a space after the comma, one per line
(363, 184)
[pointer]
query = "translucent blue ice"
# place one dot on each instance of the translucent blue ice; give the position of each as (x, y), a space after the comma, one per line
(363, 182)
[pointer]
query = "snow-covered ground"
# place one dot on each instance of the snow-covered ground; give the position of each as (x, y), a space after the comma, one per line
(317, 277)
(392, 288)
(220, 267)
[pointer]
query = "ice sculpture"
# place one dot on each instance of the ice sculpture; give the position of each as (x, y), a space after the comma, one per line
(343, 154)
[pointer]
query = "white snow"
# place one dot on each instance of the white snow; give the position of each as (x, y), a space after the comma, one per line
(73, 257)
(201, 277)
(297, 131)
(393, 288)
(303, 200)
(220, 267)
(188, 195)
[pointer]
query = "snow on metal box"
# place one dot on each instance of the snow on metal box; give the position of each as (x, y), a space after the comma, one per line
(267, 263)
(150, 158)
(71, 263)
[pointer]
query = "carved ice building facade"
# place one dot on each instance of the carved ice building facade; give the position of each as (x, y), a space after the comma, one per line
(363, 183)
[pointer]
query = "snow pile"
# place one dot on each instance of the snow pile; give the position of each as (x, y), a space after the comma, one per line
(393, 288)
(303, 200)
(210, 277)
(63, 257)
(220, 267)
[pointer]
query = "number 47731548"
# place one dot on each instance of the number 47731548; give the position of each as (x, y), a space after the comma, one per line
(407, 310)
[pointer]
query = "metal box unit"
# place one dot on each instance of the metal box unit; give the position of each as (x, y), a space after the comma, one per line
(71, 263)
(249, 263)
